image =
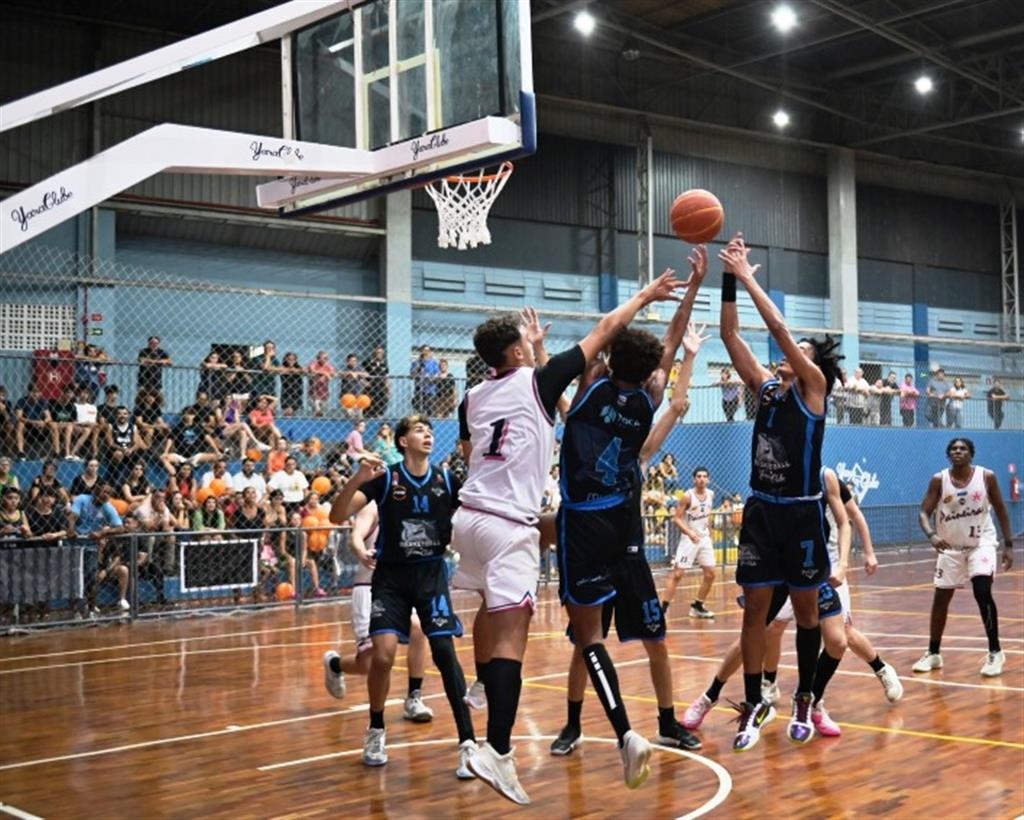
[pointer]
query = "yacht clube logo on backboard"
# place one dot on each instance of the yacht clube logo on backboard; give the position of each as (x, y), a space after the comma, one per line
(858, 478)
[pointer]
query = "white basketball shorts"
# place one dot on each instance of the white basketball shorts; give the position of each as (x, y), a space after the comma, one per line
(689, 555)
(954, 568)
(500, 559)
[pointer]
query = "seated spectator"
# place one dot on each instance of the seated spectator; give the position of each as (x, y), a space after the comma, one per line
(32, 421)
(47, 479)
(356, 449)
(292, 483)
(85, 482)
(47, 519)
(205, 411)
(250, 514)
(309, 459)
(321, 371)
(211, 376)
(149, 418)
(86, 427)
(291, 384)
(384, 445)
(124, 446)
(218, 473)
(208, 519)
(261, 419)
(447, 388)
(6, 423)
(156, 524)
(248, 478)
(336, 460)
(62, 411)
(185, 482)
(93, 522)
(14, 526)
(277, 456)
(180, 511)
(231, 425)
(136, 488)
(7, 478)
(188, 442)
(107, 412)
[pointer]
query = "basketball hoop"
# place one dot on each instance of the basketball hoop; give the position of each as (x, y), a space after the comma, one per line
(463, 203)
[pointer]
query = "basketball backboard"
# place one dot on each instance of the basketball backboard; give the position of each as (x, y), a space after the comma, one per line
(429, 88)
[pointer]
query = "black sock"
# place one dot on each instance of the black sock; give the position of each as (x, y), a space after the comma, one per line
(715, 689)
(504, 682)
(667, 721)
(415, 685)
(335, 664)
(606, 683)
(933, 647)
(770, 676)
(575, 714)
(808, 642)
(377, 719)
(823, 672)
(481, 672)
(752, 687)
(664, 606)
(877, 664)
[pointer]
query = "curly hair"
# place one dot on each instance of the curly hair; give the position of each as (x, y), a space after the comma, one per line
(405, 425)
(966, 442)
(827, 359)
(635, 354)
(493, 337)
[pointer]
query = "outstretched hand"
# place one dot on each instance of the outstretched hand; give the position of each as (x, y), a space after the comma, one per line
(663, 288)
(694, 338)
(370, 466)
(535, 332)
(698, 260)
(735, 258)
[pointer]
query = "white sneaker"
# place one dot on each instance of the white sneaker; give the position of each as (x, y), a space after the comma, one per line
(695, 713)
(124, 605)
(416, 710)
(890, 683)
(374, 751)
(262, 446)
(498, 772)
(770, 692)
(701, 613)
(476, 696)
(928, 662)
(636, 755)
(334, 681)
(467, 749)
(993, 664)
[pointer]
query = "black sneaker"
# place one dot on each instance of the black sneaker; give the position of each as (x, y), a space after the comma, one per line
(568, 739)
(679, 738)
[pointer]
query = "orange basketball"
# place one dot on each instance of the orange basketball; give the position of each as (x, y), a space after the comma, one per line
(316, 541)
(348, 401)
(363, 402)
(120, 505)
(284, 591)
(254, 454)
(321, 484)
(697, 216)
(218, 487)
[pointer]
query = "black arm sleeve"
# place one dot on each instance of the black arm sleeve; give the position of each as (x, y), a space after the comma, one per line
(557, 374)
(374, 488)
(463, 426)
(844, 493)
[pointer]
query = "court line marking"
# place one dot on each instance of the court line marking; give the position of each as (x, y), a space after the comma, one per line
(14, 811)
(723, 775)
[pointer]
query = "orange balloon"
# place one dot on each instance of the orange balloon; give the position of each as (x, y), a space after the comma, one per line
(348, 401)
(323, 513)
(321, 484)
(254, 453)
(202, 494)
(363, 402)
(120, 505)
(284, 591)
(310, 522)
(317, 540)
(218, 487)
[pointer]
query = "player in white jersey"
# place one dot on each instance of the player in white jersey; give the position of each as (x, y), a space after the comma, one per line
(506, 426)
(692, 519)
(962, 499)
(364, 531)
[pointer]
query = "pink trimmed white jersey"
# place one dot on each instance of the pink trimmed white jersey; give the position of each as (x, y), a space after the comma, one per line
(962, 518)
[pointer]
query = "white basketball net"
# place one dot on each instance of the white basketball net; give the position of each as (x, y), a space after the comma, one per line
(463, 203)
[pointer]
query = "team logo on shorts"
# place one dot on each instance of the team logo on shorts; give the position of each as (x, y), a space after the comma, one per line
(808, 573)
(748, 557)
(376, 608)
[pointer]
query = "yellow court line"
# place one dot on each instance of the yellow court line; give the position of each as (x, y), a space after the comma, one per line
(974, 616)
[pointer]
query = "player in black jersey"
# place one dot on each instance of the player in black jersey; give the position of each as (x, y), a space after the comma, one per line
(415, 502)
(599, 522)
(783, 538)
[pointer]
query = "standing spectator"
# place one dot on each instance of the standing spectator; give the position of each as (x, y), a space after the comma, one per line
(292, 483)
(92, 521)
(447, 388)
(838, 396)
(354, 440)
(85, 482)
(875, 393)
(996, 401)
(352, 380)
(730, 393)
(384, 445)
(152, 360)
(211, 376)
(266, 367)
(237, 378)
(955, 397)
(321, 371)
(425, 370)
(750, 403)
(6, 422)
(476, 371)
(247, 478)
(291, 384)
(7, 478)
(32, 415)
(857, 390)
(88, 373)
(378, 386)
(908, 400)
(936, 392)
(892, 388)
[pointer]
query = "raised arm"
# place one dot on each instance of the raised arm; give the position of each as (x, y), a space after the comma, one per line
(752, 373)
(352, 499)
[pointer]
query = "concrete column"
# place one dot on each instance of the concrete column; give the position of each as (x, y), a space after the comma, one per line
(396, 287)
(842, 251)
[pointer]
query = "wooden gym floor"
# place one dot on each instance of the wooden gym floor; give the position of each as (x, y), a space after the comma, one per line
(228, 717)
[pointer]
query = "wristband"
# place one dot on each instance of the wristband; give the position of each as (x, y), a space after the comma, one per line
(1008, 544)
(728, 287)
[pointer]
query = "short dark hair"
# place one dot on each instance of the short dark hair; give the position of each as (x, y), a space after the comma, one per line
(493, 337)
(634, 355)
(405, 425)
(700, 470)
(826, 357)
(967, 442)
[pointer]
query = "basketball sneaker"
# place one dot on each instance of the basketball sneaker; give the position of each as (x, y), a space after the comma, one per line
(568, 739)
(334, 681)
(752, 718)
(698, 610)
(993, 664)
(929, 661)
(499, 772)
(695, 713)
(801, 723)
(467, 749)
(476, 696)
(770, 692)
(636, 755)
(678, 738)
(416, 710)
(823, 722)
(890, 683)
(374, 751)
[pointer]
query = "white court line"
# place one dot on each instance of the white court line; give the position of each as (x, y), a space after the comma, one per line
(724, 778)
(7, 808)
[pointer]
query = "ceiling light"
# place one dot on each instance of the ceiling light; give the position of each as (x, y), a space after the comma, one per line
(584, 23)
(780, 118)
(923, 84)
(784, 18)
